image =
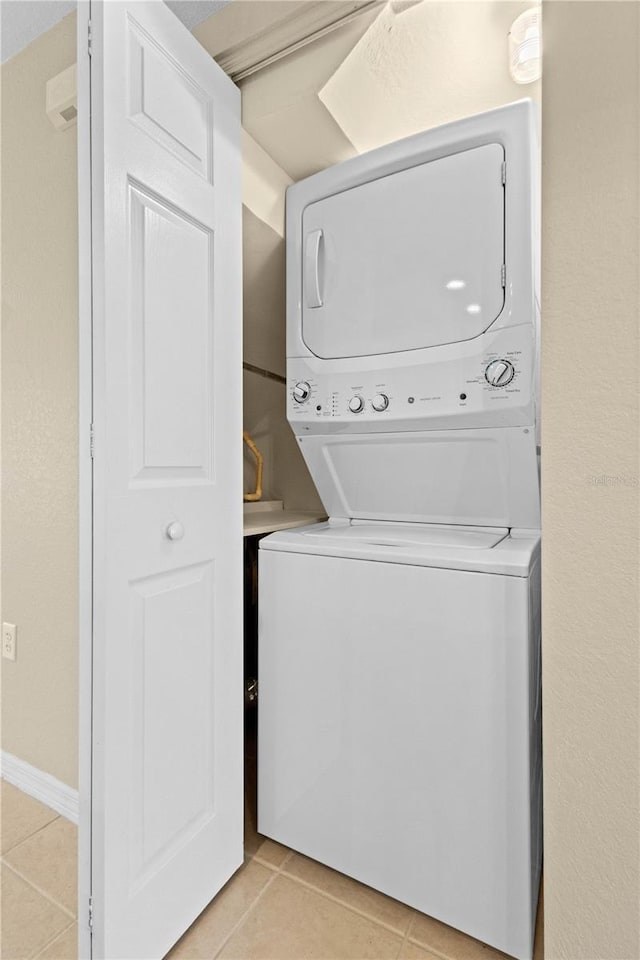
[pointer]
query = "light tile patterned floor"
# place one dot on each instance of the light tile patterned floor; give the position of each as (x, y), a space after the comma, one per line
(282, 906)
(279, 905)
(38, 880)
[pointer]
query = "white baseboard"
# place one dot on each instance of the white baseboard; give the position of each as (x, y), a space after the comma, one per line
(40, 785)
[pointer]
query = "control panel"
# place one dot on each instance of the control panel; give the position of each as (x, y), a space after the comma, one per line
(487, 387)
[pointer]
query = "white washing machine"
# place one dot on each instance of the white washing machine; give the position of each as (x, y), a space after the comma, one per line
(399, 643)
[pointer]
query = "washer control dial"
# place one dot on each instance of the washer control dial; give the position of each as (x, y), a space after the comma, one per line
(499, 373)
(380, 402)
(301, 391)
(356, 404)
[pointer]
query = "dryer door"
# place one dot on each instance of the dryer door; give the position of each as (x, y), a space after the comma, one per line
(407, 261)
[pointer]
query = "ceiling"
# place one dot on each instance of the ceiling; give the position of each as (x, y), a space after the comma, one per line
(422, 67)
(193, 12)
(21, 21)
(390, 73)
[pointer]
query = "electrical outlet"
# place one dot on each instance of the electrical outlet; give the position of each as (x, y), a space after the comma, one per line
(9, 631)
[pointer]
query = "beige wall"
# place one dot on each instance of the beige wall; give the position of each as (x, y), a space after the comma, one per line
(39, 412)
(285, 474)
(591, 426)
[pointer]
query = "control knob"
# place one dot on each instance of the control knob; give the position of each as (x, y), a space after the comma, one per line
(380, 402)
(499, 373)
(301, 391)
(356, 404)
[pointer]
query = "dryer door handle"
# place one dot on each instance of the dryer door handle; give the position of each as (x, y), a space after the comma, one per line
(312, 280)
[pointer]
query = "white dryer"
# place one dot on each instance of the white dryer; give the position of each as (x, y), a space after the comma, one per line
(399, 643)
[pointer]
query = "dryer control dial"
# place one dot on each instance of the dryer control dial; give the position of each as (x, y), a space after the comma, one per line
(356, 404)
(499, 373)
(380, 402)
(301, 391)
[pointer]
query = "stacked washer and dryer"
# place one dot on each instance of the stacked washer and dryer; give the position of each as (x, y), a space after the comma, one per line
(399, 643)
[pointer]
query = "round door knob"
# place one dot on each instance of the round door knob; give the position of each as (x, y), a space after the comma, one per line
(301, 391)
(380, 402)
(356, 404)
(499, 373)
(175, 531)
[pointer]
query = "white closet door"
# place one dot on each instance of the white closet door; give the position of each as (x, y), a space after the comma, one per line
(167, 797)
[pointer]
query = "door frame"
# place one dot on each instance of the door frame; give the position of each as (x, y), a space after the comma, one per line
(85, 478)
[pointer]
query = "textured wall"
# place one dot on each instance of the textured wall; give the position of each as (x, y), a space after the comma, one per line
(285, 474)
(591, 427)
(39, 411)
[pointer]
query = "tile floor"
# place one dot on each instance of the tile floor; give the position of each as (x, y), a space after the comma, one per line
(278, 905)
(38, 880)
(282, 906)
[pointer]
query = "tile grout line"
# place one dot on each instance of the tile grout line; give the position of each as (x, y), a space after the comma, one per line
(447, 956)
(419, 943)
(30, 836)
(34, 956)
(39, 890)
(428, 949)
(406, 935)
(276, 871)
(342, 903)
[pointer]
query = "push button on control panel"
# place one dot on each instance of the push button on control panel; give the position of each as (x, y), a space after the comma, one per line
(356, 404)
(499, 373)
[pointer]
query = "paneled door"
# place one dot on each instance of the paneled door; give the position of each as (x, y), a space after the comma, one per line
(167, 706)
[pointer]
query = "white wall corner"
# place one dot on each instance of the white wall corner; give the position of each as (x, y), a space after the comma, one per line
(40, 785)
(264, 184)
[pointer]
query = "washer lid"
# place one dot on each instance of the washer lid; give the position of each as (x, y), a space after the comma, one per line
(497, 550)
(410, 534)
